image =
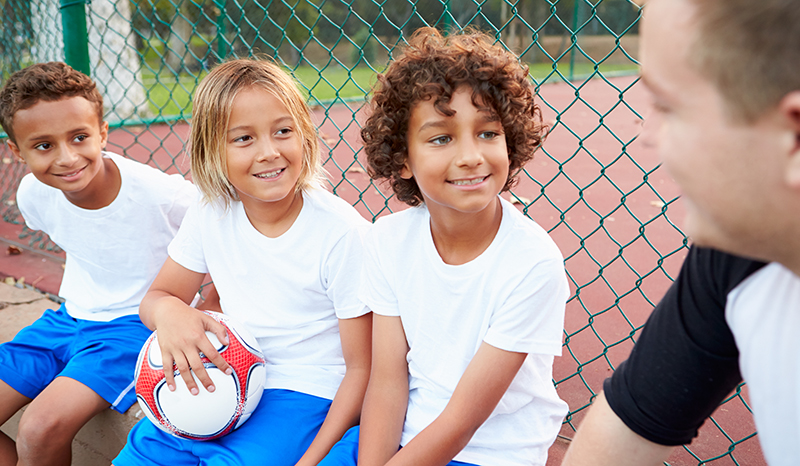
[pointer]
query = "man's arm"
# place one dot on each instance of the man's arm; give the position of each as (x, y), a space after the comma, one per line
(603, 439)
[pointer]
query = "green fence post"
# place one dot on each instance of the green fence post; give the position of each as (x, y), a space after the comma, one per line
(574, 38)
(447, 18)
(76, 35)
(222, 45)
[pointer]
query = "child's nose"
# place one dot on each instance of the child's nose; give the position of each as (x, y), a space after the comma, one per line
(66, 156)
(268, 151)
(469, 154)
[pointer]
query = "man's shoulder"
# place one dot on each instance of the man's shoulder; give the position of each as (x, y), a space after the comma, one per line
(718, 270)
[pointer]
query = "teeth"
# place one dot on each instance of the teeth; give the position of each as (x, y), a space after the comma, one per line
(270, 174)
(468, 182)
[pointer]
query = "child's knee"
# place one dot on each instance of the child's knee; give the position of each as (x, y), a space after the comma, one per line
(39, 429)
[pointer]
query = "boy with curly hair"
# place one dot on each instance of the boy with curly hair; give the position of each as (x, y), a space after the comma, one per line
(114, 217)
(468, 294)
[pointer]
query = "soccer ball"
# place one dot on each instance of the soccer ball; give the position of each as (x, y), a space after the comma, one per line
(204, 416)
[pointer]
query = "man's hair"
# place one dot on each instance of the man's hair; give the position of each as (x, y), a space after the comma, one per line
(432, 67)
(750, 50)
(49, 82)
(211, 113)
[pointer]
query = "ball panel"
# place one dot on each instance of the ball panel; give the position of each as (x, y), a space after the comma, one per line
(205, 414)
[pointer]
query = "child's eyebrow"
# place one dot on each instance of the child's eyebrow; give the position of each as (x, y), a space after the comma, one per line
(433, 124)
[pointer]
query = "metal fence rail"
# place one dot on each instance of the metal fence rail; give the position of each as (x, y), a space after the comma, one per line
(601, 194)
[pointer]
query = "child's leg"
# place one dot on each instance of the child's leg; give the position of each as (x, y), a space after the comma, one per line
(345, 451)
(278, 432)
(10, 402)
(53, 418)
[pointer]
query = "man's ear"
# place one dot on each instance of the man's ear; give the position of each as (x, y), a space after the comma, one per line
(12, 146)
(789, 108)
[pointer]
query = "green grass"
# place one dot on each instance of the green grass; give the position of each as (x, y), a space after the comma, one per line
(171, 97)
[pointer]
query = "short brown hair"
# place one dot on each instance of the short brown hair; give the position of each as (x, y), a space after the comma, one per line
(211, 113)
(50, 82)
(432, 67)
(750, 50)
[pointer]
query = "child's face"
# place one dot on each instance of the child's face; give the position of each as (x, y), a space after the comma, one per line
(264, 148)
(460, 163)
(61, 142)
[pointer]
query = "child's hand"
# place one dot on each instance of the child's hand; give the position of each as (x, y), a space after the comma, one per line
(182, 337)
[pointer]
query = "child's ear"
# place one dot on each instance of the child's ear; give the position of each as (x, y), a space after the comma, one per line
(12, 146)
(103, 134)
(405, 172)
(789, 107)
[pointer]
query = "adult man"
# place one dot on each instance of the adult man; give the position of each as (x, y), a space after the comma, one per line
(726, 88)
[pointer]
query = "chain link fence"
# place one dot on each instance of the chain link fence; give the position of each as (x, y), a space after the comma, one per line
(599, 192)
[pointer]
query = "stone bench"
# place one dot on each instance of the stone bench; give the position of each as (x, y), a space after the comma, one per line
(101, 439)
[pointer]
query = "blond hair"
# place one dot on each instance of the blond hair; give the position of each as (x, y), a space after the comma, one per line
(213, 102)
(750, 50)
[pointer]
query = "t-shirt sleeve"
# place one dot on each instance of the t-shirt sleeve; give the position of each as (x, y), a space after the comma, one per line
(26, 203)
(343, 271)
(375, 290)
(531, 320)
(685, 361)
(183, 195)
(186, 248)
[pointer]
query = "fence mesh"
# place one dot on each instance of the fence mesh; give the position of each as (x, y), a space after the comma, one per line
(599, 192)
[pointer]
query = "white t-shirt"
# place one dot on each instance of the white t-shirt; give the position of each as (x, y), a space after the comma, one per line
(113, 253)
(763, 313)
(512, 297)
(289, 291)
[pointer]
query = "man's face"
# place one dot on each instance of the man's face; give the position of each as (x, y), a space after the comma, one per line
(731, 173)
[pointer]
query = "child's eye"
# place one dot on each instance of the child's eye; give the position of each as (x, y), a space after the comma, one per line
(43, 146)
(80, 138)
(244, 138)
(283, 131)
(441, 140)
(488, 135)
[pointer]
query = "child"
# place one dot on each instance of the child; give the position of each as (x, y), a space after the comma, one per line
(285, 257)
(114, 217)
(468, 294)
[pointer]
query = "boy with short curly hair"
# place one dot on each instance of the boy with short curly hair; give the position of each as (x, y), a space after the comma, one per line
(114, 218)
(468, 295)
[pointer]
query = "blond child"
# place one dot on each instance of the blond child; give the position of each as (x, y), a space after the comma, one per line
(284, 256)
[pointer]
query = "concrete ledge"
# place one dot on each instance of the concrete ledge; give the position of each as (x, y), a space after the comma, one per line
(101, 439)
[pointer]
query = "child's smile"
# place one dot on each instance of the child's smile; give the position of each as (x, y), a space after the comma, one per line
(460, 162)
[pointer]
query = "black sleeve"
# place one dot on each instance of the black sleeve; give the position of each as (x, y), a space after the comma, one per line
(685, 361)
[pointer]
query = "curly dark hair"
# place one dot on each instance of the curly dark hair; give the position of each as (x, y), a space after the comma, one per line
(433, 67)
(50, 82)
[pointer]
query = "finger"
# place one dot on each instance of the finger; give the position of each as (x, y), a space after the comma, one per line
(169, 376)
(184, 366)
(217, 329)
(200, 372)
(211, 353)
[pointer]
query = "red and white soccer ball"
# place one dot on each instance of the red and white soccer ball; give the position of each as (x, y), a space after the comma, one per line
(204, 416)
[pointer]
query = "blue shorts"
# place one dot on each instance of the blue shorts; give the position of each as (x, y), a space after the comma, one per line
(345, 452)
(100, 355)
(278, 432)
